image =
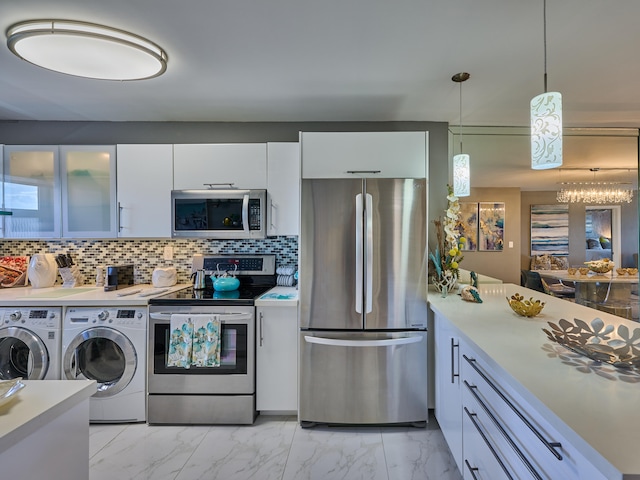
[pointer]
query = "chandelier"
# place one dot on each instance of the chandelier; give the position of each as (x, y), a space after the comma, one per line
(594, 192)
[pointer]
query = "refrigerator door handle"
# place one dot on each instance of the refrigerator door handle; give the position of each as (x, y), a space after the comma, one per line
(363, 343)
(369, 253)
(359, 245)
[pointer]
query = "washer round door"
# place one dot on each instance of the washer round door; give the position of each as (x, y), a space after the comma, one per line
(22, 354)
(104, 355)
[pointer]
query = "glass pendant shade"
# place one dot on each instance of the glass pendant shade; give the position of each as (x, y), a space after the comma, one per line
(461, 175)
(546, 131)
(86, 50)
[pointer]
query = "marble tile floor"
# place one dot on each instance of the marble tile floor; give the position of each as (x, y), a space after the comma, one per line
(275, 447)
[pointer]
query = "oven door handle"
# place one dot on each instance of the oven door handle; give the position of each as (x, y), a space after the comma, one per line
(224, 317)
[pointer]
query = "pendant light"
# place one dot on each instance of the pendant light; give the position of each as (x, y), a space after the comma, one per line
(461, 163)
(546, 120)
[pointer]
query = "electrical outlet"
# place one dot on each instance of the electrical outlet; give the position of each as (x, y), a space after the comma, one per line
(510, 244)
(168, 252)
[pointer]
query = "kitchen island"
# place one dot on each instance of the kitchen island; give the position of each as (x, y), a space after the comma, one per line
(44, 431)
(589, 407)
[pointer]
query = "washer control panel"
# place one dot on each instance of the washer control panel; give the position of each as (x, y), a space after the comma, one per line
(48, 317)
(107, 316)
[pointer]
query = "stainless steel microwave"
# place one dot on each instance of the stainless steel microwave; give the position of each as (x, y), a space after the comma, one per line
(218, 213)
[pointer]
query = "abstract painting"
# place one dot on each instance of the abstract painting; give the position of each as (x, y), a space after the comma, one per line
(491, 227)
(550, 229)
(467, 225)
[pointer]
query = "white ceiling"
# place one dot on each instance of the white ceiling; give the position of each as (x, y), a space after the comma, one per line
(341, 60)
(344, 60)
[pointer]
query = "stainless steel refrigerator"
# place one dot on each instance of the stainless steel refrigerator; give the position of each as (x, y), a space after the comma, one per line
(363, 314)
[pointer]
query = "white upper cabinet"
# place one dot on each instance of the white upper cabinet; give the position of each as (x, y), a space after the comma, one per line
(88, 174)
(241, 165)
(31, 191)
(368, 154)
(283, 188)
(145, 180)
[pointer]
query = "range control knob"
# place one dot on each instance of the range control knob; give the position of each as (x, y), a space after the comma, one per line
(103, 315)
(15, 316)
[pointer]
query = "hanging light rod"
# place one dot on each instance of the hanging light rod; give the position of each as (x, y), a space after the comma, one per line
(86, 50)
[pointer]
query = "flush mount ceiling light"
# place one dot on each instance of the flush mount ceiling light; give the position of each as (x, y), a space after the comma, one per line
(546, 120)
(86, 50)
(461, 162)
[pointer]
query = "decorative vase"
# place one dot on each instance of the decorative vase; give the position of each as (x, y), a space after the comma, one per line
(445, 282)
(42, 270)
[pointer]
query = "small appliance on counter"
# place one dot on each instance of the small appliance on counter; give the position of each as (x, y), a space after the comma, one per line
(42, 270)
(118, 276)
(164, 277)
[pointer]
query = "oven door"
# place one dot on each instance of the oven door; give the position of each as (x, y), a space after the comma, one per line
(236, 373)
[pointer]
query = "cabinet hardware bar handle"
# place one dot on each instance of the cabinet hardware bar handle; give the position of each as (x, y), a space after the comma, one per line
(261, 332)
(486, 441)
(551, 446)
(512, 444)
(119, 215)
(453, 375)
(472, 470)
(363, 171)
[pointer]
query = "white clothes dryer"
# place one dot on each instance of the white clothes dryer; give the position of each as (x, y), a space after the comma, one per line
(30, 343)
(108, 345)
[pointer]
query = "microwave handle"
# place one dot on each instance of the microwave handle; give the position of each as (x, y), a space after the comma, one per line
(245, 213)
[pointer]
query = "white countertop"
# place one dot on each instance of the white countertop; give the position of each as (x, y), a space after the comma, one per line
(279, 297)
(40, 402)
(598, 413)
(87, 295)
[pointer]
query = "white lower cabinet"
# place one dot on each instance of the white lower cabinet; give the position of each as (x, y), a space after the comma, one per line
(277, 359)
(448, 393)
(493, 431)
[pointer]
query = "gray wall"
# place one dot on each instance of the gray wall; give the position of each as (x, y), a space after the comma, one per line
(577, 230)
(502, 264)
(107, 133)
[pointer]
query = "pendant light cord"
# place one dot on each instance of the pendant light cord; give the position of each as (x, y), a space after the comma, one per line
(544, 30)
(460, 117)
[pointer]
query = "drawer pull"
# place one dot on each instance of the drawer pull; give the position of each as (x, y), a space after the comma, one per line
(486, 441)
(472, 470)
(512, 444)
(551, 446)
(454, 375)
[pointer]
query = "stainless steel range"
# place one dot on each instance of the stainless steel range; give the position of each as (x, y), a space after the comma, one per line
(223, 394)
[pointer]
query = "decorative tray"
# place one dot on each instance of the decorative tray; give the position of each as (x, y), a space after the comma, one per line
(9, 389)
(599, 342)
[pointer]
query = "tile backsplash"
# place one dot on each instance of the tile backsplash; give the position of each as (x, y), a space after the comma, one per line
(146, 255)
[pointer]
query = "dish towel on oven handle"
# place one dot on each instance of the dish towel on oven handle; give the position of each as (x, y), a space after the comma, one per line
(206, 341)
(180, 341)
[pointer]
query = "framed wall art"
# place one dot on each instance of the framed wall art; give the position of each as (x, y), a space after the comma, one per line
(491, 226)
(550, 229)
(467, 225)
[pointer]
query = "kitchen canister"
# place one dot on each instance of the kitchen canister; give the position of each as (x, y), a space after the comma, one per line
(164, 277)
(42, 270)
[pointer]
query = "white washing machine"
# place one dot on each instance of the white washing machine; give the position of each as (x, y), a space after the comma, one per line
(30, 343)
(108, 345)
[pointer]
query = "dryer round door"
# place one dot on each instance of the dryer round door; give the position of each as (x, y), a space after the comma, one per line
(22, 354)
(104, 355)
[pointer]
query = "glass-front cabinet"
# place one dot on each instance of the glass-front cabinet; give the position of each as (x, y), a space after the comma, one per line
(59, 191)
(31, 191)
(88, 191)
